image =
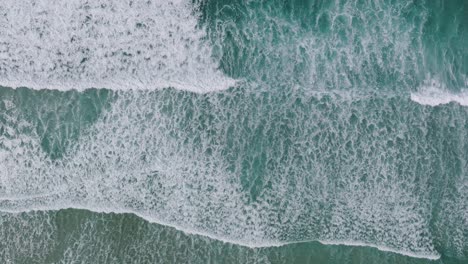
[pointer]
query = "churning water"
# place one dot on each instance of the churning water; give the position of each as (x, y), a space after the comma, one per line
(233, 131)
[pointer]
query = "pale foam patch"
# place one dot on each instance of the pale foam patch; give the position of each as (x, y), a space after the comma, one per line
(434, 93)
(118, 45)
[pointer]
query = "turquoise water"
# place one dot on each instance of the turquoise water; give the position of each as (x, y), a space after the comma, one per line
(234, 132)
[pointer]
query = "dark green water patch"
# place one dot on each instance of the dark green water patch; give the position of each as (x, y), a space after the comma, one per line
(57, 118)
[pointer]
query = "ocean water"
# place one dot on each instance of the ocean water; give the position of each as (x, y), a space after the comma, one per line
(204, 131)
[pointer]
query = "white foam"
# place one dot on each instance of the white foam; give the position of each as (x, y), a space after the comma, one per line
(100, 44)
(13, 197)
(434, 93)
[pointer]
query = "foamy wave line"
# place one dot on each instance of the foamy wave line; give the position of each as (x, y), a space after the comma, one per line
(10, 197)
(381, 248)
(434, 93)
(434, 98)
(220, 84)
(244, 243)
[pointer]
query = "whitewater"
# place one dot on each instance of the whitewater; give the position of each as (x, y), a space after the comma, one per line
(239, 122)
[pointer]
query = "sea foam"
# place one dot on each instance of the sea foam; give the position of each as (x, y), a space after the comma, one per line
(118, 45)
(434, 93)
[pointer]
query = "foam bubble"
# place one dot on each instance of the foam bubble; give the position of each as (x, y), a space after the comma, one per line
(119, 45)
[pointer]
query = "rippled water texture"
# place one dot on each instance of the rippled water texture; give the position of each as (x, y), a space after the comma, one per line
(234, 131)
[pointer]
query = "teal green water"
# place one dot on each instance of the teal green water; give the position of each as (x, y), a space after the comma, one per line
(326, 150)
(80, 236)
